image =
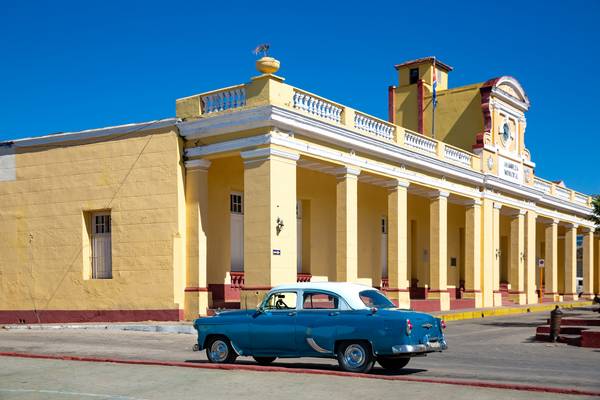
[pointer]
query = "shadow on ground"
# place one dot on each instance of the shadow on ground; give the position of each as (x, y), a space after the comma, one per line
(322, 367)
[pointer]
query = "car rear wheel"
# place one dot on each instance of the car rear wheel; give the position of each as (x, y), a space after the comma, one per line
(355, 357)
(219, 351)
(393, 364)
(264, 360)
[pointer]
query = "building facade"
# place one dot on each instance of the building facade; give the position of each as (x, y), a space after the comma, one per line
(263, 183)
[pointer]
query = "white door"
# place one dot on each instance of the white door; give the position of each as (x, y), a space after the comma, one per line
(237, 231)
(384, 248)
(299, 236)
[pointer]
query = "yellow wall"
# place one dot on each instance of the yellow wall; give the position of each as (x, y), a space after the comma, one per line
(225, 175)
(43, 233)
(372, 206)
(456, 222)
(318, 189)
(458, 116)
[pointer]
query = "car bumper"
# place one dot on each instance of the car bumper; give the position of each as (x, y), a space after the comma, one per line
(428, 347)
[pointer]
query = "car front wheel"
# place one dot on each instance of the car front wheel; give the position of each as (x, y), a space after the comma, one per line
(393, 364)
(219, 351)
(355, 357)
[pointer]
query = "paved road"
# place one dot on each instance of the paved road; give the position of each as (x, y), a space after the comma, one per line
(25, 379)
(494, 349)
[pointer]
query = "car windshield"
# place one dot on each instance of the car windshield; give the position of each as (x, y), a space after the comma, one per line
(374, 298)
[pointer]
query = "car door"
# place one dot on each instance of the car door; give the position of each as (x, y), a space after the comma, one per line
(272, 329)
(316, 323)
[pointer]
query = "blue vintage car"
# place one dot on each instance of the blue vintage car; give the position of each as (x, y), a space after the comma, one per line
(354, 323)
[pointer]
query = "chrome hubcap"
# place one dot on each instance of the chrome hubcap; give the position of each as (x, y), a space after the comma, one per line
(354, 356)
(219, 351)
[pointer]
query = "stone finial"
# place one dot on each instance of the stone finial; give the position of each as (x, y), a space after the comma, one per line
(267, 65)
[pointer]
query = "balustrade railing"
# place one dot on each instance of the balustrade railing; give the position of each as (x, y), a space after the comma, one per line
(459, 156)
(563, 193)
(316, 106)
(237, 280)
(581, 198)
(542, 185)
(372, 125)
(226, 99)
(420, 142)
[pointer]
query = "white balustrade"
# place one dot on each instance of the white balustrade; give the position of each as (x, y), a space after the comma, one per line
(419, 142)
(459, 156)
(374, 126)
(542, 185)
(224, 100)
(316, 106)
(563, 193)
(581, 199)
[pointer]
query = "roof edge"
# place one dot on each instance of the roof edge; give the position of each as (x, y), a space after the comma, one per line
(90, 133)
(439, 63)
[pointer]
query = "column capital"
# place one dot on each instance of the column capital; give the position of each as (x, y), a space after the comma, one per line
(571, 225)
(517, 213)
(588, 229)
(497, 205)
(397, 184)
(347, 170)
(552, 221)
(265, 153)
(198, 164)
(437, 194)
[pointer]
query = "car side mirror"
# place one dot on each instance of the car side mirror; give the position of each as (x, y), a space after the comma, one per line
(259, 310)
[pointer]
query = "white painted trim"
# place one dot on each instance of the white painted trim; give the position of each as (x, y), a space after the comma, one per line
(267, 152)
(347, 170)
(92, 133)
(200, 163)
(271, 116)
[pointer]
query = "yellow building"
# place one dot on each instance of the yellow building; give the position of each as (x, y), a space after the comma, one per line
(262, 183)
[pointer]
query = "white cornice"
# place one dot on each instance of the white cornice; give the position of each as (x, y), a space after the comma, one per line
(290, 121)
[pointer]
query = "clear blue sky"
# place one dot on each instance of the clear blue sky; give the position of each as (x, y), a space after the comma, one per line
(69, 66)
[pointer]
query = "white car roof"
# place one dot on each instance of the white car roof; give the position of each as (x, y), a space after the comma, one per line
(348, 291)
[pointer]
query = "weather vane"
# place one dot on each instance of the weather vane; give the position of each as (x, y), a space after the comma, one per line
(262, 48)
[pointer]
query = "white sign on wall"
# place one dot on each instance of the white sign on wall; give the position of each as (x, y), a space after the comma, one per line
(510, 170)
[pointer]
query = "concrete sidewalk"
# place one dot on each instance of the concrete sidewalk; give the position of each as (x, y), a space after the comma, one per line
(186, 327)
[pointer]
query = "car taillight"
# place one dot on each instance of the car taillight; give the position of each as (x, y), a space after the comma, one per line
(408, 327)
(443, 324)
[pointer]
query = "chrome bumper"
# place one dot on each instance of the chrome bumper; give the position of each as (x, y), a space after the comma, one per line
(420, 348)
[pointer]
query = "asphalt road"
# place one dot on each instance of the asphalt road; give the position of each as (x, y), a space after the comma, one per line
(496, 349)
(25, 379)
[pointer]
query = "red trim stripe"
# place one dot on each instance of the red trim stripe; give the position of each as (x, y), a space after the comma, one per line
(459, 382)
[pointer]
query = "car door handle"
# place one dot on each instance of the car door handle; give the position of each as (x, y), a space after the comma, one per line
(291, 314)
(334, 313)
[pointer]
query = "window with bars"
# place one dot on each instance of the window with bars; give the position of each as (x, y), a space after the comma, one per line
(101, 246)
(235, 203)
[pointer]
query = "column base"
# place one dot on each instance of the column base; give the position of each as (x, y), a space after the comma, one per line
(533, 298)
(474, 294)
(442, 295)
(497, 299)
(518, 297)
(400, 297)
(251, 297)
(570, 296)
(197, 301)
(588, 296)
(552, 296)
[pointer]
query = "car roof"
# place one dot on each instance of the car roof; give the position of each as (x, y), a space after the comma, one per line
(348, 291)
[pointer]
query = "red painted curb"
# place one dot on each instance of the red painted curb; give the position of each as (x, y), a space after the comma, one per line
(257, 368)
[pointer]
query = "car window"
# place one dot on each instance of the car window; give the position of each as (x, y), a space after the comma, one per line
(281, 301)
(374, 298)
(319, 301)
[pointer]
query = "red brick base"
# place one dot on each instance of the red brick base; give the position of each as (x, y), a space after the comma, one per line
(61, 316)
